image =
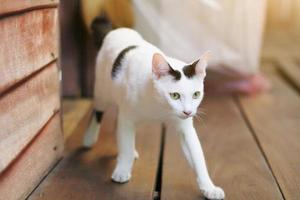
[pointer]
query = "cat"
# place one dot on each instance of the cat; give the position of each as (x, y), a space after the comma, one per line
(146, 84)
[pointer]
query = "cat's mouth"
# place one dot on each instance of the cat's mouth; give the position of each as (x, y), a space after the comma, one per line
(183, 116)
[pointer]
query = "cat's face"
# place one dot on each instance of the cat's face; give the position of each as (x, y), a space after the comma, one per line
(179, 84)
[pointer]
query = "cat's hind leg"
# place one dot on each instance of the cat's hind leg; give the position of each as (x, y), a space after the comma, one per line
(136, 154)
(92, 133)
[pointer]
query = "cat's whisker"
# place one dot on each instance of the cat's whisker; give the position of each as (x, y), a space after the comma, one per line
(200, 114)
(201, 111)
(197, 118)
(200, 118)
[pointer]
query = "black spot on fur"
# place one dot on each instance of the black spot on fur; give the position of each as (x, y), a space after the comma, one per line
(99, 116)
(190, 70)
(118, 62)
(175, 73)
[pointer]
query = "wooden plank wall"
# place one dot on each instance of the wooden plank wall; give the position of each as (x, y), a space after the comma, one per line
(19, 179)
(25, 110)
(16, 6)
(31, 140)
(27, 44)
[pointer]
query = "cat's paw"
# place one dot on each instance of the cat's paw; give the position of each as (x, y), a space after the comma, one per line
(213, 192)
(90, 138)
(88, 142)
(136, 155)
(121, 176)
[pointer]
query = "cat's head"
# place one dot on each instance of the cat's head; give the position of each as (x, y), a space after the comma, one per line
(181, 85)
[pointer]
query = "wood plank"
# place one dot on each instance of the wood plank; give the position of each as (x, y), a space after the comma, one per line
(290, 69)
(28, 42)
(275, 118)
(280, 44)
(233, 158)
(33, 164)
(25, 110)
(86, 174)
(14, 6)
(74, 111)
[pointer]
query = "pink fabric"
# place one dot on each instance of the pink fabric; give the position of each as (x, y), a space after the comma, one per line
(228, 81)
(249, 85)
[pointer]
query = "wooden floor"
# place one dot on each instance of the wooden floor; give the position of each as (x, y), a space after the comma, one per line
(252, 148)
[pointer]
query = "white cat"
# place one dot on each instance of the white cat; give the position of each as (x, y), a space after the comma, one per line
(145, 84)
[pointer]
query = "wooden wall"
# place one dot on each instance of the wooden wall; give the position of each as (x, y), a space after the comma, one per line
(31, 139)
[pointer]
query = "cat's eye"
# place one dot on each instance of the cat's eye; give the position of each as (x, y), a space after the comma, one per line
(175, 95)
(196, 95)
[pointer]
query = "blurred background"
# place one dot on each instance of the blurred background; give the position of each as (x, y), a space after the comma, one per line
(239, 33)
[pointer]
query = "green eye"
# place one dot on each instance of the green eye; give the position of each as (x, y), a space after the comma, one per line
(175, 95)
(196, 95)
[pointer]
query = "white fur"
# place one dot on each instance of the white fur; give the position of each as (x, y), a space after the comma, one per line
(91, 136)
(141, 95)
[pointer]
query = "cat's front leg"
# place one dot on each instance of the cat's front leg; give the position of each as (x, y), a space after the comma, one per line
(194, 153)
(126, 148)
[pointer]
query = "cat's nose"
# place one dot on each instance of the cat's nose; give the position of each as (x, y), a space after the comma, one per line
(188, 113)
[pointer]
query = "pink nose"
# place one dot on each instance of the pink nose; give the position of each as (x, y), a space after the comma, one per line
(187, 112)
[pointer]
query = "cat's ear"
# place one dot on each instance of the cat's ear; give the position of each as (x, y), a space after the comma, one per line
(202, 63)
(160, 66)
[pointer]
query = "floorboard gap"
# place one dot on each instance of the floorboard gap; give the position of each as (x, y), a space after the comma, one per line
(282, 74)
(158, 181)
(248, 124)
(44, 178)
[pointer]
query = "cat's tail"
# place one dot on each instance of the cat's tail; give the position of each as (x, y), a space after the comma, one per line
(101, 16)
